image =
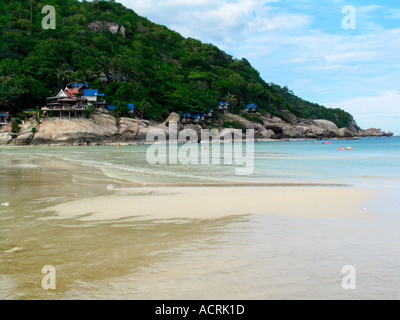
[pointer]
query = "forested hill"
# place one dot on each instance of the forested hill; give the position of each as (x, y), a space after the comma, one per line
(149, 64)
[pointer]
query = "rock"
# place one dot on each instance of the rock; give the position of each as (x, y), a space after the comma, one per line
(156, 130)
(345, 133)
(246, 123)
(390, 134)
(113, 27)
(5, 137)
(330, 130)
(326, 125)
(175, 118)
(129, 129)
(101, 128)
(372, 132)
(268, 134)
(290, 116)
(23, 139)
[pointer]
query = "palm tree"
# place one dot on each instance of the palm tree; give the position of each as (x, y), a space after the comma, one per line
(77, 76)
(143, 105)
(231, 99)
(61, 74)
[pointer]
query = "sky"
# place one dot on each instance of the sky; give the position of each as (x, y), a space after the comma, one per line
(338, 53)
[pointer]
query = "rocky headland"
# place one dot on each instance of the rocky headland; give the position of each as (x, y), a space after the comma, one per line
(103, 129)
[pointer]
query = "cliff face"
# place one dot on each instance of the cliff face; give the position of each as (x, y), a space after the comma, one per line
(105, 129)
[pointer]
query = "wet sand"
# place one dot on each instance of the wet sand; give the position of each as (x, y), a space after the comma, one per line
(216, 202)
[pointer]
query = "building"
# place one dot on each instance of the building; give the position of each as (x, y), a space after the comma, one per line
(5, 119)
(92, 97)
(65, 103)
(251, 108)
(223, 107)
(73, 101)
(186, 118)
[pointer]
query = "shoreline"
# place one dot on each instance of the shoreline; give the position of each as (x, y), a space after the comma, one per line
(145, 143)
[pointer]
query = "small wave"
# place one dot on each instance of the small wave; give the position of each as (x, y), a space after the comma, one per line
(12, 250)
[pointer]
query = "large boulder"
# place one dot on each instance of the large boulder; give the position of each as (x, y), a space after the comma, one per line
(345, 133)
(173, 118)
(5, 137)
(290, 116)
(100, 129)
(246, 123)
(326, 125)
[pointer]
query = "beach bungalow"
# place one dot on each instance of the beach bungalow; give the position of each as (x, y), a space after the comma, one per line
(65, 103)
(5, 119)
(209, 114)
(196, 118)
(251, 108)
(111, 108)
(223, 107)
(92, 97)
(103, 78)
(131, 107)
(186, 118)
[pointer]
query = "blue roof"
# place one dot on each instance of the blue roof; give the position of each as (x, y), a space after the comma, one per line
(4, 115)
(131, 106)
(91, 92)
(196, 116)
(111, 107)
(187, 115)
(254, 106)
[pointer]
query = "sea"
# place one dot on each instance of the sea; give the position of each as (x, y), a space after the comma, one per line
(250, 257)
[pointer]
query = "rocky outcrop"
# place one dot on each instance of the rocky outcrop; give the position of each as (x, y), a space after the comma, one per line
(113, 27)
(103, 128)
(372, 132)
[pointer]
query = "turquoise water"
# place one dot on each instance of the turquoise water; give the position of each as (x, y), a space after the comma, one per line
(372, 161)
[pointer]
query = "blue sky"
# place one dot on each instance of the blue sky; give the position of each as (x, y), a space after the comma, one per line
(302, 44)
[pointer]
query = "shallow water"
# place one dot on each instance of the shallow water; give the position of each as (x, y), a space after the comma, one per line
(242, 257)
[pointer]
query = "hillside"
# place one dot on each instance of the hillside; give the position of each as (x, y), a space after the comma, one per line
(146, 64)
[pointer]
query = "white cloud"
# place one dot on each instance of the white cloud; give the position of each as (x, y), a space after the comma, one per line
(382, 111)
(393, 14)
(218, 21)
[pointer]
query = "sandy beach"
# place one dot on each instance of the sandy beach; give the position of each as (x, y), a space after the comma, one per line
(217, 202)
